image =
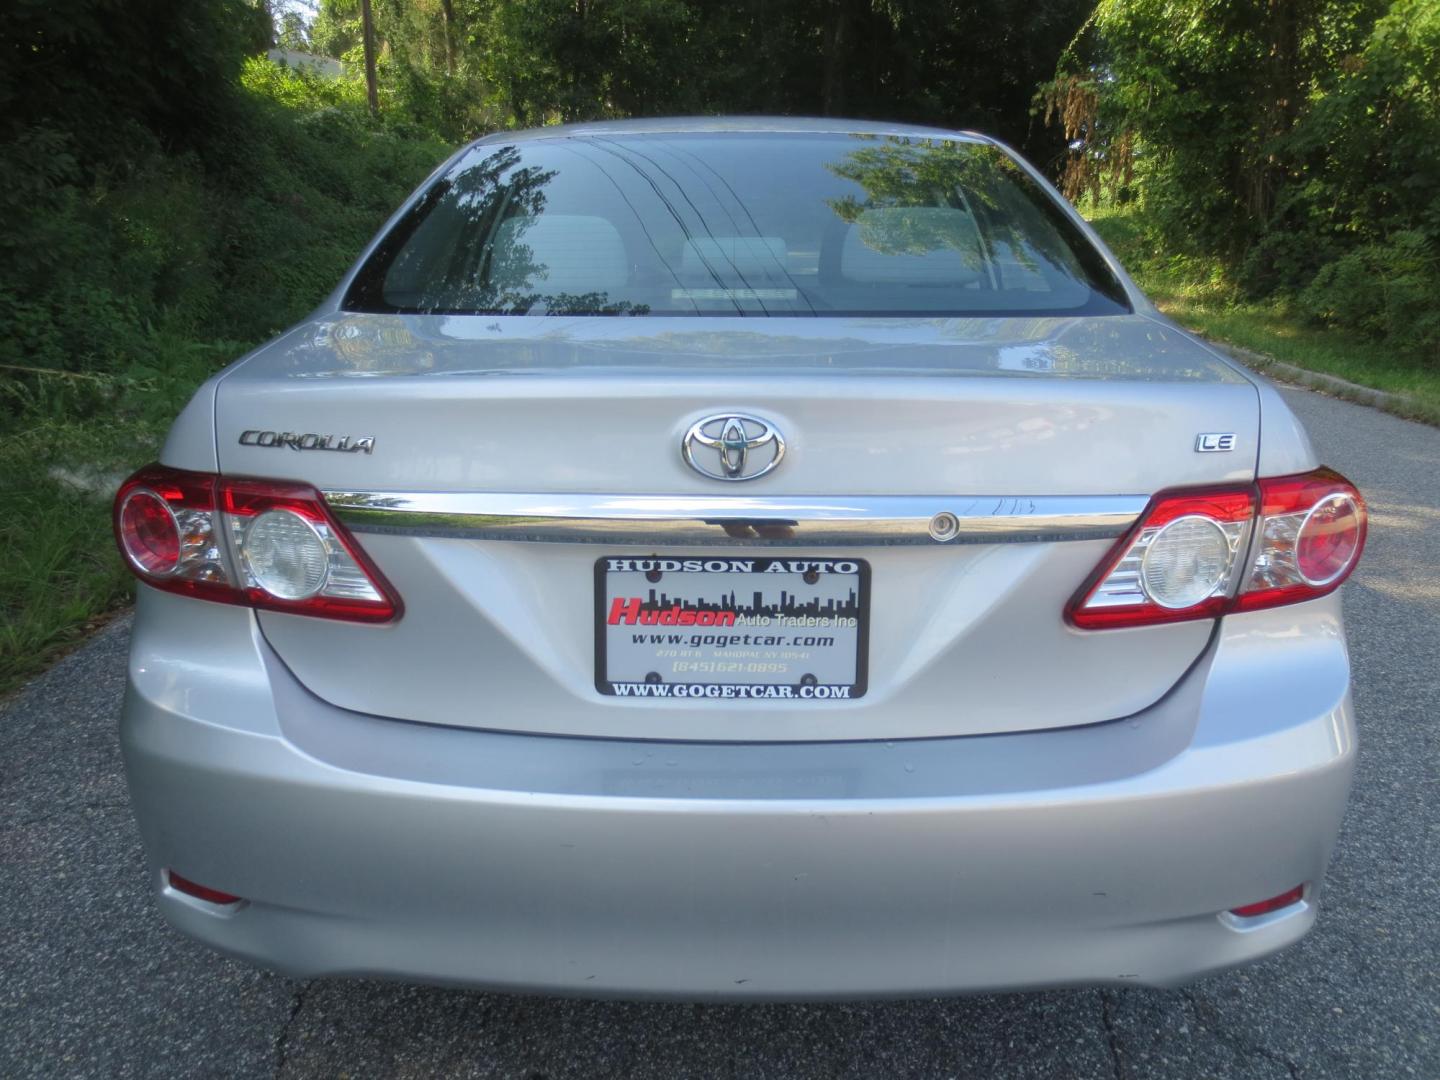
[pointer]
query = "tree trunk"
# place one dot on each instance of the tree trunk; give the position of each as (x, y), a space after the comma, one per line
(447, 16)
(835, 41)
(367, 26)
(1283, 91)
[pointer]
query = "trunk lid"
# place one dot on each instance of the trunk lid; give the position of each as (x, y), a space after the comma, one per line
(988, 417)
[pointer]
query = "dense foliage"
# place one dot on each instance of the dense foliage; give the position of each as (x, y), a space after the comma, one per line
(169, 199)
(465, 65)
(148, 247)
(166, 189)
(1296, 140)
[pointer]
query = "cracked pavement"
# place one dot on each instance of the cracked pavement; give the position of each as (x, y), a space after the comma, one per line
(94, 984)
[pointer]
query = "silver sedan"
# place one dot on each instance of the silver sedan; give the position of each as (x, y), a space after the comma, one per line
(739, 559)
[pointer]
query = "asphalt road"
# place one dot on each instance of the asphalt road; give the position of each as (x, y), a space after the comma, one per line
(92, 983)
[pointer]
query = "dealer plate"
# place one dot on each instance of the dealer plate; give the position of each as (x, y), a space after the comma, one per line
(791, 628)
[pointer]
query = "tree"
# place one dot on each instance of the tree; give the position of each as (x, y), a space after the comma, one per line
(1298, 140)
(293, 32)
(1212, 91)
(367, 37)
(947, 62)
(107, 73)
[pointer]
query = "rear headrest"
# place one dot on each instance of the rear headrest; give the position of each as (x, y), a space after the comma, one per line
(726, 255)
(912, 245)
(577, 253)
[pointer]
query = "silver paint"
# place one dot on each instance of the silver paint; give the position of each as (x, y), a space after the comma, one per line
(714, 870)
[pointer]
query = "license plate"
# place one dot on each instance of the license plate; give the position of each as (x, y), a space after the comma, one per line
(738, 628)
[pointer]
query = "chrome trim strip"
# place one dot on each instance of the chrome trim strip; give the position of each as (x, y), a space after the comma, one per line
(739, 521)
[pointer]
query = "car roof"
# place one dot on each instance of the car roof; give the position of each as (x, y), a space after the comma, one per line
(717, 124)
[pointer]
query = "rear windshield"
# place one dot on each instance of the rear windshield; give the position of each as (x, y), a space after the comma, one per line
(736, 224)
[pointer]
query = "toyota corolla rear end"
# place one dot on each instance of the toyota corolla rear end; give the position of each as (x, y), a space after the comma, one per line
(739, 560)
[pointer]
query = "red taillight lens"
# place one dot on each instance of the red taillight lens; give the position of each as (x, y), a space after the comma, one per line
(165, 526)
(148, 532)
(200, 892)
(1329, 540)
(1275, 903)
(1200, 554)
(262, 543)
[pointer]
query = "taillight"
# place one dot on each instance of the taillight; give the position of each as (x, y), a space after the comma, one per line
(1179, 562)
(292, 555)
(1201, 554)
(265, 544)
(165, 526)
(1312, 530)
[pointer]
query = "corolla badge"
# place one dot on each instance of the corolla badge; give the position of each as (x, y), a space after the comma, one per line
(308, 440)
(732, 446)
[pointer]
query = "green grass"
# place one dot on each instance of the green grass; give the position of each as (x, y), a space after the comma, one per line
(60, 574)
(1196, 293)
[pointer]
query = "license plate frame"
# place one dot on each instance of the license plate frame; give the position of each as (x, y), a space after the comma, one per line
(834, 578)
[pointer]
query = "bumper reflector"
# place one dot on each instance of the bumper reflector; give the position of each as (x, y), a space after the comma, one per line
(1275, 903)
(200, 892)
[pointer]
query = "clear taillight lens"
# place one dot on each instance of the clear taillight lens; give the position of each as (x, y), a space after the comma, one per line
(294, 556)
(284, 554)
(1180, 561)
(1200, 554)
(261, 543)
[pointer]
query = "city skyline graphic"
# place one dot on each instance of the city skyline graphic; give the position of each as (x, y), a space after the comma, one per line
(788, 605)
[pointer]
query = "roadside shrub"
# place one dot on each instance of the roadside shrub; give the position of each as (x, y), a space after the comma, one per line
(313, 182)
(1283, 262)
(1371, 142)
(90, 272)
(102, 276)
(123, 78)
(1297, 145)
(1387, 290)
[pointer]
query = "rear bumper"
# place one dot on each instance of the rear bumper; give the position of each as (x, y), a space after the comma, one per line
(521, 862)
